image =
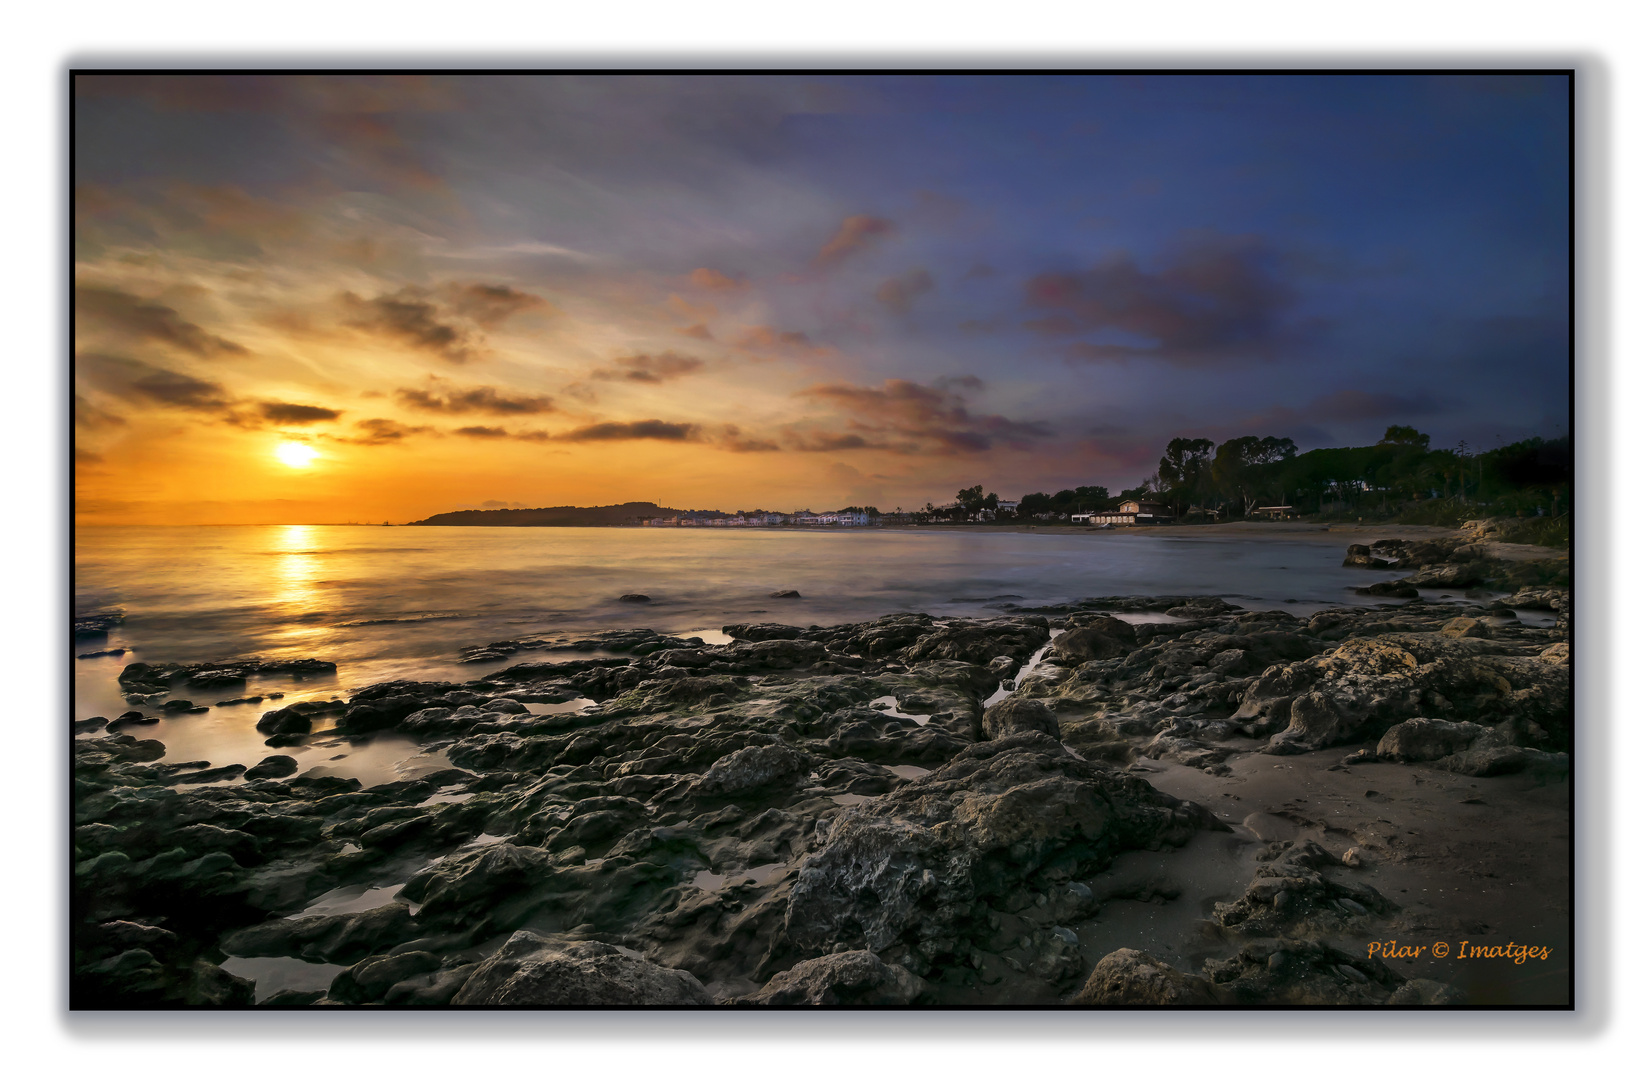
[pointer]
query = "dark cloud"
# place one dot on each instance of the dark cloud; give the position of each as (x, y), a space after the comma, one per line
(644, 367)
(1216, 298)
(904, 416)
(825, 442)
(899, 293)
(855, 233)
(443, 398)
(179, 390)
(280, 412)
(490, 305)
(86, 457)
(409, 317)
(380, 431)
(637, 429)
(142, 320)
(478, 431)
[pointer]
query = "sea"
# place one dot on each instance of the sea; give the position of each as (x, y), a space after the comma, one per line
(402, 602)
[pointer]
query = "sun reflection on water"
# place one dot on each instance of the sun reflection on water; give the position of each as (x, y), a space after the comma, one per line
(295, 580)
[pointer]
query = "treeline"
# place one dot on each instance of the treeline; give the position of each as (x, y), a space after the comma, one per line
(1401, 474)
(1400, 471)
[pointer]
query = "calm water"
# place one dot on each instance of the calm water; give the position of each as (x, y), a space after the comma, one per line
(401, 602)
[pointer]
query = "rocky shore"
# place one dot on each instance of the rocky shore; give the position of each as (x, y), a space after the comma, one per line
(1123, 801)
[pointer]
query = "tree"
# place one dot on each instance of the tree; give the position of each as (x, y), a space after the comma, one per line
(1182, 470)
(1402, 435)
(971, 499)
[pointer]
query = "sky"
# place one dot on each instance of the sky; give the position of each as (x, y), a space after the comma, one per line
(329, 298)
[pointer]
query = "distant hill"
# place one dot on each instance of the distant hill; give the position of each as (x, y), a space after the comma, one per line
(621, 514)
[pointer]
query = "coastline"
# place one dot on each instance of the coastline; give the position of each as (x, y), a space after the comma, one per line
(696, 818)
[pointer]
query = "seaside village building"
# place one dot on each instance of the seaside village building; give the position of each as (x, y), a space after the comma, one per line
(1130, 512)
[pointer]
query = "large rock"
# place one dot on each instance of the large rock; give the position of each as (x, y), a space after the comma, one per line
(751, 768)
(1422, 739)
(979, 642)
(1132, 977)
(1015, 714)
(1366, 685)
(910, 875)
(531, 970)
(857, 978)
(1100, 638)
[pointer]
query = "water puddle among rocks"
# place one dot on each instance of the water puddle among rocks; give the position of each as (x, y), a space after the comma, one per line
(1008, 686)
(275, 973)
(709, 637)
(482, 840)
(349, 900)
(908, 772)
(851, 800)
(453, 794)
(887, 705)
(554, 708)
(708, 881)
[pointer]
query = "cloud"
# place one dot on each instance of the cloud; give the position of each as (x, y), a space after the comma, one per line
(907, 417)
(1216, 299)
(92, 417)
(280, 412)
(899, 293)
(443, 398)
(646, 368)
(856, 233)
(181, 391)
(733, 440)
(697, 330)
(135, 318)
(637, 429)
(704, 277)
(768, 339)
(490, 305)
(478, 431)
(380, 431)
(407, 316)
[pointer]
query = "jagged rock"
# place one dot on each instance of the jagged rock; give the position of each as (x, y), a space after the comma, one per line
(1427, 992)
(1502, 760)
(1015, 714)
(1132, 977)
(272, 767)
(332, 939)
(978, 642)
(751, 768)
(1100, 637)
(1366, 685)
(857, 977)
(902, 875)
(530, 970)
(1422, 739)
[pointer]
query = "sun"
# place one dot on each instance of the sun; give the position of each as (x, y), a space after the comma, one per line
(295, 454)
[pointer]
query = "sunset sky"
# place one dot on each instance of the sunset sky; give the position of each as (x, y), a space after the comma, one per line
(364, 298)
